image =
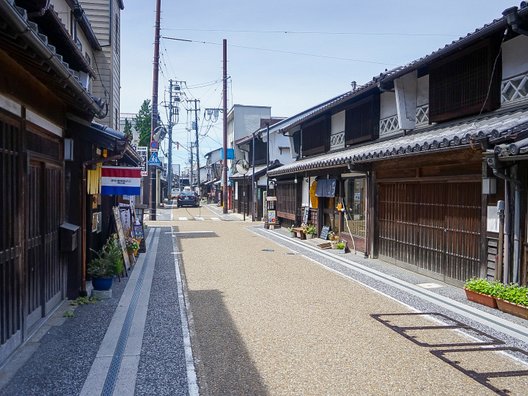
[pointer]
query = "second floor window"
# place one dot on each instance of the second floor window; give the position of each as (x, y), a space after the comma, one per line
(362, 120)
(462, 84)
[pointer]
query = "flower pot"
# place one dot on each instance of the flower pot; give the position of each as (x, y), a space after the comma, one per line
(515, 309)
(480, 298)
(292, 234)
(102, 283)
(310, 236)
(340, 251)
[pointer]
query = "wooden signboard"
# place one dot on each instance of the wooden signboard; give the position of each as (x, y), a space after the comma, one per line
(324, 232)
(121, 235)
(306, 214)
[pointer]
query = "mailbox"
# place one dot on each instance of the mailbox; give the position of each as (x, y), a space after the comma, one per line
(68, 236)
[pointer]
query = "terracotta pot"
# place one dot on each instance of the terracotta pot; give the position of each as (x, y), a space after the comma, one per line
(515, 309)
(480, 298)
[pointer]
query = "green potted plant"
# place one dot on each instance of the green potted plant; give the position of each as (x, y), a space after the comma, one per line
(310, 231)
(513, 299)
(106, 264)
(483, 291)
(340, 247)
(132, 245)
(291, 231)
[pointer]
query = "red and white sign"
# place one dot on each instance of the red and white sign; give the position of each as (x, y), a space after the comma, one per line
(120, 180)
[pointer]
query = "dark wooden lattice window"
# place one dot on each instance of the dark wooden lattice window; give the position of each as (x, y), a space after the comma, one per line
(286, 202)
(316, 137)
(458, 85)
(362, 120)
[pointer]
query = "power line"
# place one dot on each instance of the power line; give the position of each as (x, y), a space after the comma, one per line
(315, 32)
(283, 51)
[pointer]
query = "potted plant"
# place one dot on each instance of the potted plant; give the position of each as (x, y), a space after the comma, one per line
(291, 231)
(132, 245)
(340, 247)
(106, 264)
(483, 291)
(513, 299)
(310, 231)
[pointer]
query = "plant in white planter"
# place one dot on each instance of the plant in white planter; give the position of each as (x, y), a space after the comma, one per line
(310, 231)
(340, 246)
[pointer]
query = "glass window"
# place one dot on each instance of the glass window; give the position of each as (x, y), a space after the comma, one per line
(355, 199)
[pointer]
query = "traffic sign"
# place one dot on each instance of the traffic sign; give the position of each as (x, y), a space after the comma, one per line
(154, 145)
(154, 160)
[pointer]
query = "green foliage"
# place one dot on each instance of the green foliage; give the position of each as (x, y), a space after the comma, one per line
(515, 294)
(512, 292)
(83, 301)
(340, 245)
(310, 229)
(142, 123)
(68, 314)
(127, 130)
(108, 262)
(484, 286)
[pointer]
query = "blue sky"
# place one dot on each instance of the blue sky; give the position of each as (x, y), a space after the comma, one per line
(289, 55)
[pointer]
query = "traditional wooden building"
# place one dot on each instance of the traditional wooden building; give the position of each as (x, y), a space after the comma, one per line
(47, 144)
(399, 166)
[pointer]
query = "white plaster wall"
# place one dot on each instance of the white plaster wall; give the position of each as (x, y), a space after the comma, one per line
(338, 122)
(279, 140)
(246, 119)
(423, 91)
(515, 57)
(387, 104)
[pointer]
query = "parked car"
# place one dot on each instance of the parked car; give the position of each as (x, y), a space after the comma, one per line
(174, 193)
(188, 198)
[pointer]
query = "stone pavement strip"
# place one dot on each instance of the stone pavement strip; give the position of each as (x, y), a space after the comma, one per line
(269, 321)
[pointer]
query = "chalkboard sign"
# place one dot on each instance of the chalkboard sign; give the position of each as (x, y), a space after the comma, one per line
(306, 214)
(324, 232)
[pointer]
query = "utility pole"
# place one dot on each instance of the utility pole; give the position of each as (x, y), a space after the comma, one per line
(173, 111)
(169, 171)
(196, 143)
(154, 119)
(192, 162)
(224, 163)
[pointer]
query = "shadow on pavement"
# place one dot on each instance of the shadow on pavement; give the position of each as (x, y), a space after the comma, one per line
(225, 363)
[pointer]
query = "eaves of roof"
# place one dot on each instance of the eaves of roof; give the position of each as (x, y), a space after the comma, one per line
(17, 20)
(57, 32)
(438, 138)
(84, 23)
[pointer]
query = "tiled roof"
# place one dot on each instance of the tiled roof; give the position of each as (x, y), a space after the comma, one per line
(497, 25)
(518, 144)
(43, 56)
(444, 137)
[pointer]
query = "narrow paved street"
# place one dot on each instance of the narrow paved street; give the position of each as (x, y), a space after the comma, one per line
(269, 321)
(218, 306)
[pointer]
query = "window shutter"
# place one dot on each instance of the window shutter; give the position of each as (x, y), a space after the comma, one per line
(459, 84)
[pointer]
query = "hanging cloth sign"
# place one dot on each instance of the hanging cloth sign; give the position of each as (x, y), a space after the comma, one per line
(326, 188)
(120, 180)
